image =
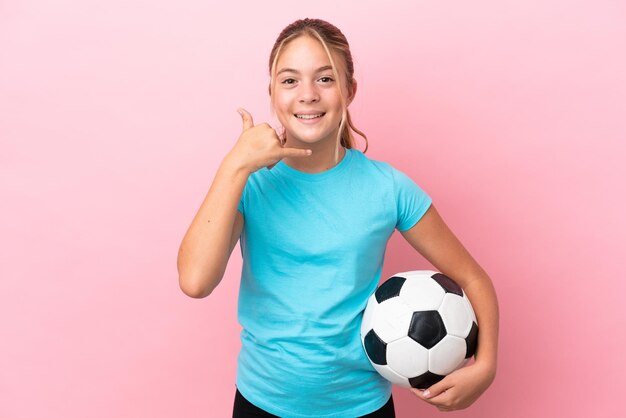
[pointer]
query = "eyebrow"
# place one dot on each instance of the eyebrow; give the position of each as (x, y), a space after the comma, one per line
(291, 70)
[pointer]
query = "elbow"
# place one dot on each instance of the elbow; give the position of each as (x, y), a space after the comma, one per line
(197, 283)
(194, 288)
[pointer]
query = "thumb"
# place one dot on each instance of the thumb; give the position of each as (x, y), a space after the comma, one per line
(246, 118)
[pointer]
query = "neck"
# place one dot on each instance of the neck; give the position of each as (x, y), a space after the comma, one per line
(322, 159)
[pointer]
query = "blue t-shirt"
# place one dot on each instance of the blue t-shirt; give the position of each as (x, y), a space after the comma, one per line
(313, 247)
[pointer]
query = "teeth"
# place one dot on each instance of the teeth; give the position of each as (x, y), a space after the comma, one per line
(309, 116)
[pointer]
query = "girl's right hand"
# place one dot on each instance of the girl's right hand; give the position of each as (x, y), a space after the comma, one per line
(259, 146)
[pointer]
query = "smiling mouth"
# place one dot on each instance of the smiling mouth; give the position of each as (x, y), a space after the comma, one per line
(319, 115)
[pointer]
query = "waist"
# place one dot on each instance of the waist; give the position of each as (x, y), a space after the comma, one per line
(317, 383)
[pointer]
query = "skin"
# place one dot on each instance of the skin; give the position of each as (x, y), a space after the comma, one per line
(305, 83)
(302, 87)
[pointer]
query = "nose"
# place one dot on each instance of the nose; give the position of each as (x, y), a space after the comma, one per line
(308, 93)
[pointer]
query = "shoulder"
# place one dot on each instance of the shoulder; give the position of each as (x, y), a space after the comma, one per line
(404, 186)
(372, 165)
(378, 168)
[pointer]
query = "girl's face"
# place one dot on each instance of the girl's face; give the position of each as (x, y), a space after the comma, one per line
(306, 98)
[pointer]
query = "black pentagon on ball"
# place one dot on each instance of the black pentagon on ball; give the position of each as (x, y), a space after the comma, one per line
(389, 289)
(427, 328)
(375, 348)
(425, 380)
(448, 284)
(471, 341)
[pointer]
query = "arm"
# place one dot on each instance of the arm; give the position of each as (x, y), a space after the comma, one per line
(432, 238)
(209, 241)
(213, 233)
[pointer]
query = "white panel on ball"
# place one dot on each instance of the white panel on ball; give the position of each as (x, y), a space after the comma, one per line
(366, 322)
(392, 320)
(422, 293)
(453, 311)
(447, 355)
(393, 377)
(407, 357)
(469, 307)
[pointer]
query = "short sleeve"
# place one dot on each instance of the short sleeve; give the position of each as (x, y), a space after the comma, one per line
(412, 202)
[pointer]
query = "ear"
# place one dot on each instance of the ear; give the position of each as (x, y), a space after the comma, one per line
(351, 97)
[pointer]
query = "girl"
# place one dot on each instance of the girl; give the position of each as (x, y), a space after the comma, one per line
(314, 216)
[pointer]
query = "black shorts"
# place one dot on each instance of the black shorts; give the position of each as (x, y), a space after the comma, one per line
(244, 409)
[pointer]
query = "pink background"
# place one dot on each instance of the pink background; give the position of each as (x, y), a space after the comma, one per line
(115, 115)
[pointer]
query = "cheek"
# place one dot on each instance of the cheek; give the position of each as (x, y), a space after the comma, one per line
(281, 111)
(280, 102)
(335, 103)
(280, 108)
(333, 96)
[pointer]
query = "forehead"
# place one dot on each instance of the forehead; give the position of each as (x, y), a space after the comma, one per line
(305, 53)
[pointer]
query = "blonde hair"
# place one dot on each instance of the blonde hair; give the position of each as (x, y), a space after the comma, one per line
(328, 35)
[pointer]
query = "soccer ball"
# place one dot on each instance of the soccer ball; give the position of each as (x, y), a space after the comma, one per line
(418, 327)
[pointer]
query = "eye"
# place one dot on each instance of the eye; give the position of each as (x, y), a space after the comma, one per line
(326, 79)
(288, 81)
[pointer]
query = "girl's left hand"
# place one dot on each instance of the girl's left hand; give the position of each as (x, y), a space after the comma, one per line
(459, 389)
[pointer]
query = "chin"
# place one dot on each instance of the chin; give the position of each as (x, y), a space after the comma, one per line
(308, 140)
(312, 138)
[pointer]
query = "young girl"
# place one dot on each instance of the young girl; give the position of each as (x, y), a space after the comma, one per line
(314, 215)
